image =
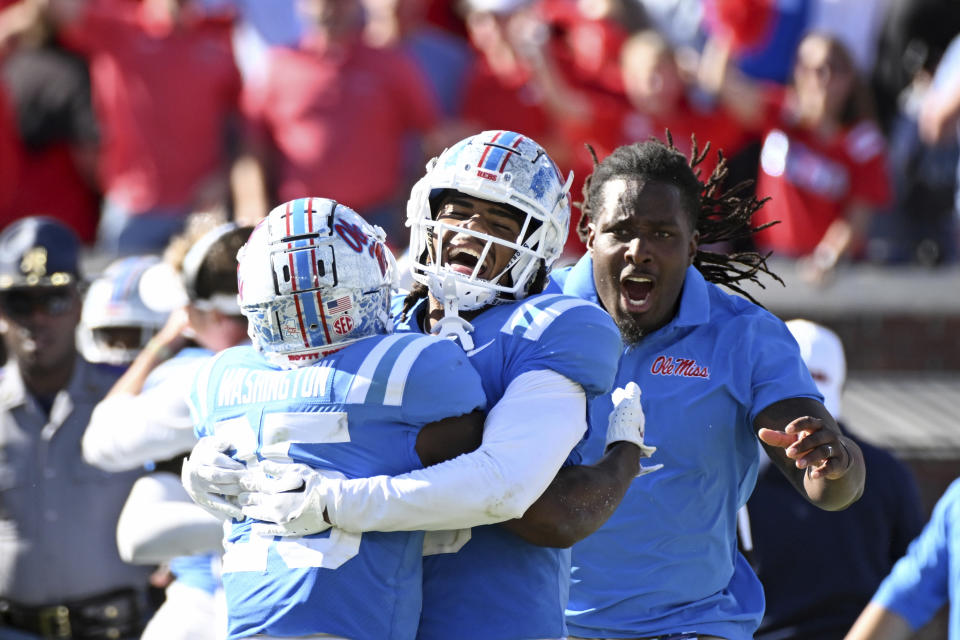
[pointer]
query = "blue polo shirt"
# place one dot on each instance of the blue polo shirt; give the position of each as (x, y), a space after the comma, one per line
(928, 576)
(667, 560)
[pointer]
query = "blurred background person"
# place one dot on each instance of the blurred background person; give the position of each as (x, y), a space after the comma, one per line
(144, 420)
(60, 572)
(823, 157)
(939, 121)
(9, 158)
(166, 90)
(662, 96)
(116, 324)
(849, 551)
(57, 134)
(333, 116)
(911, 32)
(443, 57)
(921, 224)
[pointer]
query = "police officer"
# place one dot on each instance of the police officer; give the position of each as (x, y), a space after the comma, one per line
(60, 572)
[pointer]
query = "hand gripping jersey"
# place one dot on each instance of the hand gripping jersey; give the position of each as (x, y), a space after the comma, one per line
(357, 412)
(488, 584)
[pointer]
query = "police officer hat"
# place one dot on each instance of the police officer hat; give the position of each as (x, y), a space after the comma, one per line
(38, 252)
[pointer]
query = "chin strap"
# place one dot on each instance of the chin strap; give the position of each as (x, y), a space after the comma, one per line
(451, 325)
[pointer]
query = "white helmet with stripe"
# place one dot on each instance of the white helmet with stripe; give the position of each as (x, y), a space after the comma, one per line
(314, 277)
(497, 166)
(116, 322)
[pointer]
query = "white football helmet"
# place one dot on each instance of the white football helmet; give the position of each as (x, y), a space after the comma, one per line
(314, 277)
(116, 323)
(497, 166)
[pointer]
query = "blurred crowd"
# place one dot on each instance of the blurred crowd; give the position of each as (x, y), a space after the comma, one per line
(149, 136)
(121, 117)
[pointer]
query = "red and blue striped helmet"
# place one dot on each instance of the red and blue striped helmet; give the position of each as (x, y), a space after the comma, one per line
(314, 277)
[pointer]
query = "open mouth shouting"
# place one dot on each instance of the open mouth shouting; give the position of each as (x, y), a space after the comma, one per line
(636, 293)
(464, 258)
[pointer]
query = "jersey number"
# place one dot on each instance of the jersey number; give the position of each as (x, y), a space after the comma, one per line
(278, 432)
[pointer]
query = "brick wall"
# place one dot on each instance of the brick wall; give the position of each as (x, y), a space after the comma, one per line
(875, 342)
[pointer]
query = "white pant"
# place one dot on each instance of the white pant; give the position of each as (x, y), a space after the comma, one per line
(188, 613)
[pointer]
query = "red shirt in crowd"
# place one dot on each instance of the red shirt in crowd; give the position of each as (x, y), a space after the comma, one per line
(709, 124)
(586, 50)
(9, 160)
(813, 181)
(163, 94)
(340, 118)
(512, 102)
(49, 92)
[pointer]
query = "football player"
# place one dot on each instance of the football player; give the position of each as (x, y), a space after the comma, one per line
(326, 385)
(116, 323)
(487, 221)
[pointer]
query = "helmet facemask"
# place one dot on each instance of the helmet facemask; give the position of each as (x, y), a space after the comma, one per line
(500, 167)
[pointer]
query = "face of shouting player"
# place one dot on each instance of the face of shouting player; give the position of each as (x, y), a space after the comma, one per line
(642, 241)
(462, 251)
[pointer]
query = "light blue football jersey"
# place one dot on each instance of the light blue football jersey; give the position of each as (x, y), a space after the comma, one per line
(496, 586)
(356, 413)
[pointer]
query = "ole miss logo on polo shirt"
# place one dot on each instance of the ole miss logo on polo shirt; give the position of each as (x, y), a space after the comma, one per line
(684, 367)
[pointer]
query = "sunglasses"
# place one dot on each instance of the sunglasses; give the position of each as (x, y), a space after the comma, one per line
(24, 303)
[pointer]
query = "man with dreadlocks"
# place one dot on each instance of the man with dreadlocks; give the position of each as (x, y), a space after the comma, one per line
(717, 372)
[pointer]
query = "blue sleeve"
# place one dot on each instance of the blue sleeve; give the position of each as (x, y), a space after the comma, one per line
(571, 336)
(441, 384)
(919, 583)
(778, 369)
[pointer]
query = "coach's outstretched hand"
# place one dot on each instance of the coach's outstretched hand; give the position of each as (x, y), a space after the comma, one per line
(627, 423)
(212, 478)
(820, 451)
(288, 498)
(803, 439)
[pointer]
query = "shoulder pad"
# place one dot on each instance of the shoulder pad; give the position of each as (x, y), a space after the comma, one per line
(534, 315)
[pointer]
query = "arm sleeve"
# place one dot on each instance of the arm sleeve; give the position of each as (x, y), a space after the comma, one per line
(159, 522)
(919, 583)
(527, 436)
(778, 369)
(126, 431)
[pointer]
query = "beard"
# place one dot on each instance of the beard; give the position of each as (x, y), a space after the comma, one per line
(630, 332)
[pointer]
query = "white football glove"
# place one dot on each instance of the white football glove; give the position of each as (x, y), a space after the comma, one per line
(212, 478)
(288, 498)
(627, 422)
